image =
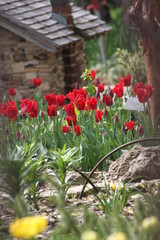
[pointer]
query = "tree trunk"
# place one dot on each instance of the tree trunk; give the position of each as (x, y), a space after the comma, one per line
(127, 21)
(146, 15)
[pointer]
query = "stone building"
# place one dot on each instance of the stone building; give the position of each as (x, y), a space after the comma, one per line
(44, 38)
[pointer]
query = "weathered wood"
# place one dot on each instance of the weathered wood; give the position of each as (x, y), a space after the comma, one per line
(30, 35)
(88, 25)
(63, 41)
(36, 15)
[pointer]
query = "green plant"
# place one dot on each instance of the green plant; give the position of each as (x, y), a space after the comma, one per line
(115, 197)
(61, 161)
(119, 36)
(121, 63)
(19, 168)
(131, 63)
(144, 226)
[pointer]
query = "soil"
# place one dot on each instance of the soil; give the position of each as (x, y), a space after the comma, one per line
(47, 206)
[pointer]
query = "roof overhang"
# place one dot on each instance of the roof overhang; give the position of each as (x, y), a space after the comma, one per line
(27, 33)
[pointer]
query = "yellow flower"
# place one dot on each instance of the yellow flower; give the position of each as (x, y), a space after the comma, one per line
(89, 235)
(113, 185)
(120, 186)
(150, 224)
(101, 208)
(117, 236)
(101, 196)
(27, 227)
(142, 184)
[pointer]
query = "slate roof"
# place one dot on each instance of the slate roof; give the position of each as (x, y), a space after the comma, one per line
(31, 19)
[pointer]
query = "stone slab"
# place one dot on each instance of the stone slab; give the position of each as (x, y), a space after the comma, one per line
(133, 104)
(30, 75)
(18, 67)
(44, 87)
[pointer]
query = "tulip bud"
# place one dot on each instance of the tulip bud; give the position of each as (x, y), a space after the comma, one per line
(7, 131)
(42, 113)
(17, 135)
(44, 101)
(105, 112)
(141, 130)
(116, 120)
(97, 95)
(123, 129)
(110, 92)
(96, 81)
(23, 136)
(105, 133)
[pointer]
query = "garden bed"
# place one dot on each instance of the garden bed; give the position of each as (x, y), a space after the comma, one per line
(44, 138)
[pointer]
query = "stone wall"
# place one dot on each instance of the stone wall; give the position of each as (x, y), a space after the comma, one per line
(21, 61)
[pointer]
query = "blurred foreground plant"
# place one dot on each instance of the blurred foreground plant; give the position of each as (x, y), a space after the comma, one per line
(27, 227)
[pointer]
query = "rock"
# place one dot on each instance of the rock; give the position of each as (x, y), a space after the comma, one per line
(73, 177)
(31, 75)
(30, 63)
(18, 67)
(44, 87)
(137, 162)
(76, 190)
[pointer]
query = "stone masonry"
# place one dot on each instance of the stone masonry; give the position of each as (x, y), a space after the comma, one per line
(21, 61)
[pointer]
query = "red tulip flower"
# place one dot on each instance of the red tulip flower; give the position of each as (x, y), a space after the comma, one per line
(50, 98)
(77, 130)
(107, 100)
(144, 92)
(92, 74)
(118, 90)
(69, 109)
(10, 110)
(98, 115)
(65, 129)
(71, 119)
(92, 103)
(101, 87)
(60, 100)
(11, 92)
(33, 109)
(80, 103)
(126, 80)
(37, 81)
(52, 110)
(130, 125)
